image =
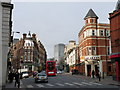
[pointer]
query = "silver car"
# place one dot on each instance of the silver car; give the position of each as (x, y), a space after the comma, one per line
(41, 77)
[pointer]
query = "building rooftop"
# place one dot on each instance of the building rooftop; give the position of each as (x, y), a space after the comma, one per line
(91, 14)
(118, 5)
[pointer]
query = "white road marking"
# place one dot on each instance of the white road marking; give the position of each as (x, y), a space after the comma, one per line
(49, 84)
(79, 84)
(40, 85)
(59, 84)
(20, 83)
(96, 83)
(86, 83)
(69, 84)
(29, 86)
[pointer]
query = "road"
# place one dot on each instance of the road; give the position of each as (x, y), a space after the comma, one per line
(64, 81)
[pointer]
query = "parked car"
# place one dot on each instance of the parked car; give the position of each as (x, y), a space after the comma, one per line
(41, 77)
(59, 72)
(43, 71)
(25, 75)
(74, 71)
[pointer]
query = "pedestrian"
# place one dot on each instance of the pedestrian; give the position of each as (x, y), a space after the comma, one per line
(34, 74)
(93, 73)
(99, 76)
(97, 73)
(21, 74)
(11, 76)
(17, 79)
(103, 76)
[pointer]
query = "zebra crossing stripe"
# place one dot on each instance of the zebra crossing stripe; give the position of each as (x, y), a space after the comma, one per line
(21, 83)
(59, 84)
(29, 86)
(39, 85)
(78, 84)
(49, 84)
(69, 84)
(86, 83)
(96, 83)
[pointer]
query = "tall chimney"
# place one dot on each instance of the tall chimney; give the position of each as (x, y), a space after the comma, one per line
(34, 35)
(24, 35)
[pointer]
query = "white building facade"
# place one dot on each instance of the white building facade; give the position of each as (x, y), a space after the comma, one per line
(71, 59)
(5, 33)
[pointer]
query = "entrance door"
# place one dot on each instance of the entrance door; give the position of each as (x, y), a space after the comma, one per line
(88, 70)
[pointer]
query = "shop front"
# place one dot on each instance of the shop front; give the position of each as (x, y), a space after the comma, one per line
(115, 58)
(91, 63)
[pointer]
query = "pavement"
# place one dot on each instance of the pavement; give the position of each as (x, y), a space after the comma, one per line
(107, 80)
(11, 85)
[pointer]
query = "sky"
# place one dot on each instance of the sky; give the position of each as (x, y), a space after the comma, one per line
(56, 22)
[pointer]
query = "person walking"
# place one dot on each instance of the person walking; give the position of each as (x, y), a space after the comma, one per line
(10, 77)
(99, 76)
(17, 79)
(93, 73)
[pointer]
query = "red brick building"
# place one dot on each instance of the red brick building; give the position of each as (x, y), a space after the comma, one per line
(29, 53)
(115, 41)
(94, 47)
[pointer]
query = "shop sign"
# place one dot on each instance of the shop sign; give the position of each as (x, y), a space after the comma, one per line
(82, 58)
(92, 57)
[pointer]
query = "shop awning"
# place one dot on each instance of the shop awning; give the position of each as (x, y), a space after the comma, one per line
(115, 55)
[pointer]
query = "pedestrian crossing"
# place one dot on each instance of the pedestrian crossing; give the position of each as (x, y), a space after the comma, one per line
(67, 84)
(79, 84)
(29, 86)
(60, 84)
(40, 85)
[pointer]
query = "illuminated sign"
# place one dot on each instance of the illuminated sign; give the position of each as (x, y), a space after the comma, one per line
(92, 57)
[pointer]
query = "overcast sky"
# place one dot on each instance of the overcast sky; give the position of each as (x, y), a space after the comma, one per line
(56, 22)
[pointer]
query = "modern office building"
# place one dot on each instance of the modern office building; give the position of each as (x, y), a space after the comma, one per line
(59, 55)
(5, 35)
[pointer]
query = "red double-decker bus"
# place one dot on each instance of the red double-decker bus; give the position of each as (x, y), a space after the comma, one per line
(51, 68)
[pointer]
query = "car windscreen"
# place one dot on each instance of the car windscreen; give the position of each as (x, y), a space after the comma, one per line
(41, 74)
(24, 72)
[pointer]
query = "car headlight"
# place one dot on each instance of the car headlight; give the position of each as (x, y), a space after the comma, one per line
(37, 77)
(45, 76)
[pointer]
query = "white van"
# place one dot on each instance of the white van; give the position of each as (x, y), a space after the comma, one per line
(24, 72)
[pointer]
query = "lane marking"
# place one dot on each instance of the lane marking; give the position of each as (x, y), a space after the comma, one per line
(21, 83)
(29, 86)
(59, 84)
(69, 84)
(40, 85)
(86, 83)
(96, 83)
(49, 84)
(79, 84)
